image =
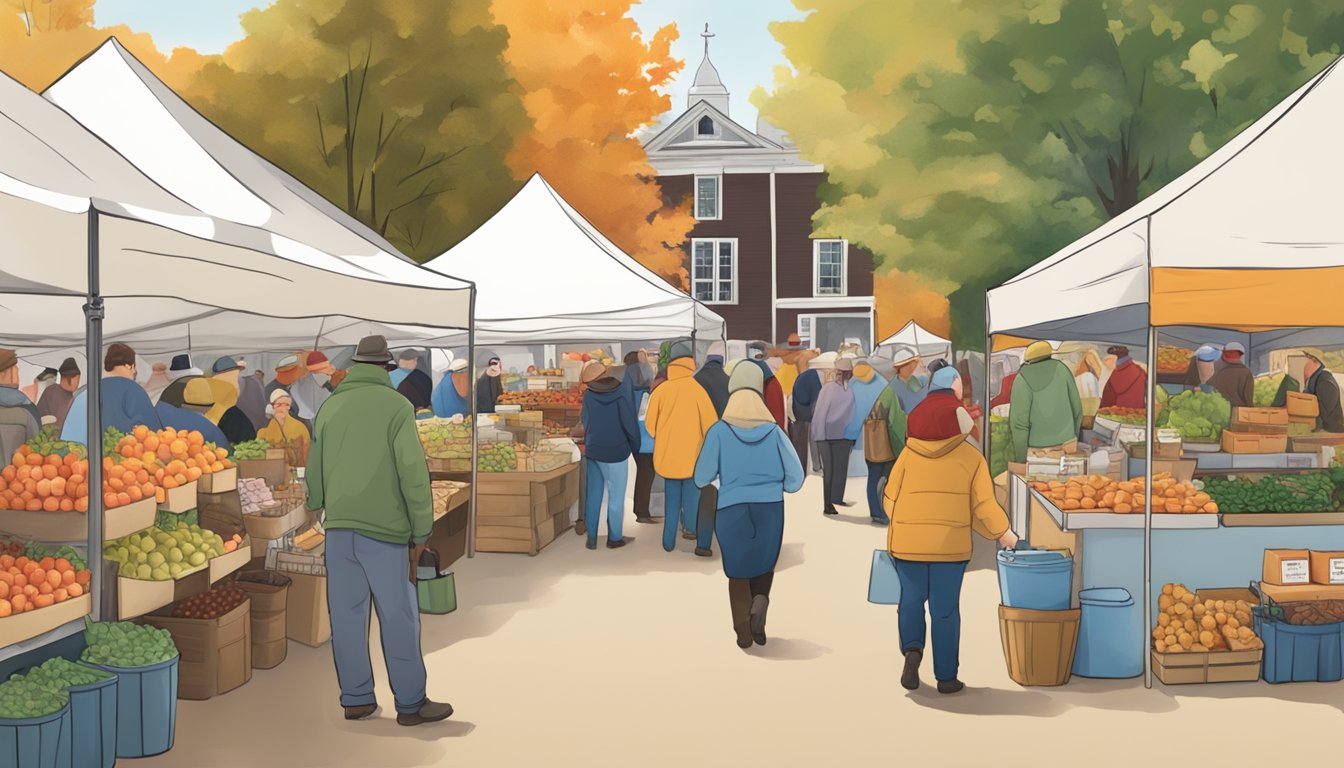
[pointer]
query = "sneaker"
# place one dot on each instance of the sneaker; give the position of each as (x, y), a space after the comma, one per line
(592, 543)
(430, 712)
(618, 543)
(950, 686)
(910, 676)
(360, 712)
(704, 552)
(759, 605)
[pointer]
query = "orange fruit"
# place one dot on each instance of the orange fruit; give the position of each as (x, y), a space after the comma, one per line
(140, 432)
(62, 564)
(76, 478)
(64, 471)
(74, 590)
(110, 500)
(54, 578)
(38, 575)
(67, 505)
(20, 581)
(43, 488)
(33, 506)
(34, 460)
(9, 473)
(123, 499)
(70, 459)
(53, 460)
(82, 504)
(67, 577)
(51, 504)
(82, 578)
(60, 595)
(18, 602)
(49, 471)
(43, 601)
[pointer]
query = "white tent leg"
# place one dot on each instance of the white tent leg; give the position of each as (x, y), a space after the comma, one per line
(1148, 510)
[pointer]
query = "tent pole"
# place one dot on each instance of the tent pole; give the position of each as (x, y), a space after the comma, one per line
(474, 426)
(93, 346)
(1148, 508)
(989, 346)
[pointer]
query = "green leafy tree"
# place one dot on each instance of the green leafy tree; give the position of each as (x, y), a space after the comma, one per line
(985, 137)
(400, 113)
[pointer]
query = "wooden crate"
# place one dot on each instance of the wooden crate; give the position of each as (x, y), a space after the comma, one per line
(1254, 442)
(1208, 667)
(1269, 417)
(516, 512)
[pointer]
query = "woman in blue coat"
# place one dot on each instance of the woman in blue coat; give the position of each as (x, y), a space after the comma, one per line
(450, 397)
(755, 465)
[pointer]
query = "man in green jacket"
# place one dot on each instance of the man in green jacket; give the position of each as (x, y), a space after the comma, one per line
(367, 470)
(1045, 410)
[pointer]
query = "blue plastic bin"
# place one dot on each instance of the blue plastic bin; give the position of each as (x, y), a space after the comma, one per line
(146, 708)
(1110, 635)
(37, 742)
(93, 718)
(1300, 654)
(1035, 580)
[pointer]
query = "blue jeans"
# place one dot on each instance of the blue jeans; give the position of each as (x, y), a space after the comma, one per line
(683, 495)
(359, 569)
(611, 478)
(939, 585)
(876, 474)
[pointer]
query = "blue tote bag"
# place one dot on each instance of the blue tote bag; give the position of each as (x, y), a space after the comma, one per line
(884, 586)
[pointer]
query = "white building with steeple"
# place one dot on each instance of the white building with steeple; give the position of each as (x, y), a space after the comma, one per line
(751, 254)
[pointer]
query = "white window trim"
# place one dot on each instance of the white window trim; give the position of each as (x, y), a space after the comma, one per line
(816, 267)
(718, 202)
(737, 257)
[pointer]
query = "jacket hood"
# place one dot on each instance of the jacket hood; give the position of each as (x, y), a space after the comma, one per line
(1041, 374)
(746, 409)
(752, 435)
(365, 375)
(606, 390)
(864, 372)
(934, 449)
(681, 368)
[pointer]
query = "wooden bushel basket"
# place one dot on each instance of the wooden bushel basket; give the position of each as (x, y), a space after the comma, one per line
(1038, 646)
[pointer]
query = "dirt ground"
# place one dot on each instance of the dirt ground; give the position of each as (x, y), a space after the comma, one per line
(627, 658)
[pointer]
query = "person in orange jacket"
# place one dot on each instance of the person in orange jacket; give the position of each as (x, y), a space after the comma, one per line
(679, 416)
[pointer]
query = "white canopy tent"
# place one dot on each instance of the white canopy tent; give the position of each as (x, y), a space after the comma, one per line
(1246, 246)
(547, 274)
(916, 336)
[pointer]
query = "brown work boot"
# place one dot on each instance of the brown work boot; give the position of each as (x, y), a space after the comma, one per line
(360, 712)
(739, 600)
(430, 712)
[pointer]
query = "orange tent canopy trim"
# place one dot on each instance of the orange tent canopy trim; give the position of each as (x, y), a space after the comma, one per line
(1247, 299)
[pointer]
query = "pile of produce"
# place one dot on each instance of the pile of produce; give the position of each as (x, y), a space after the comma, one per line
(28, 585)
(168, 521)
(46, 475)
(210, 605)
(1311, 613)
(554, 428)
(146, 464)
(1137, 417)
(1184, 624)
(1306, 492)
(1173, 359)
(1000, 445)
(1200, 417)
(252, 450)
(123, 645)
(1097, 492)
(157, 555)
(543, 399)
(497, 457)
(597, 354)
(254, 493)
(445, 438)
(22, 699)
(59, 674)
(1267, 388)
(533, 370)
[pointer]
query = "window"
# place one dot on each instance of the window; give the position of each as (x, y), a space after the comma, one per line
(831, 278)
(714, 271)
(707, 198)
(706, 126)
(805, 329)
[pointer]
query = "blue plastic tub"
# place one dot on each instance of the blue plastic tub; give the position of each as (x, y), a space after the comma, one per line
(1300, 654)
(146, 708)
(93, 718)
(1110, 635)
(1035, 580)
(37, 742)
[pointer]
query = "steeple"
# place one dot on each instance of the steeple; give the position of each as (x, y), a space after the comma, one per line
(708, 86)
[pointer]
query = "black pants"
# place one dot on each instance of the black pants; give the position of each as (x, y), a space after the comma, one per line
(644, 475)
(834, 469)
(800, 434)
(707, 513)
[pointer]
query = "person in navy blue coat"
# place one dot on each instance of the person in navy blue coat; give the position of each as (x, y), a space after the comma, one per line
(610, 437)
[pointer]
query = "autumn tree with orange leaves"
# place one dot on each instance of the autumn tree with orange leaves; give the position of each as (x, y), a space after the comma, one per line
(902, 297)
(591, 79)
(41, 39)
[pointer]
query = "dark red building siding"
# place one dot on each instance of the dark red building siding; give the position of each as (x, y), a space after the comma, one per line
(796, 198)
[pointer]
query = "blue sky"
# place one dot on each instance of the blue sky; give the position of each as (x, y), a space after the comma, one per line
(742, 49)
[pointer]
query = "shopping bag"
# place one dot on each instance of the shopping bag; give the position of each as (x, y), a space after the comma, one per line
(876, 438)
(884, 586)
(435, 589)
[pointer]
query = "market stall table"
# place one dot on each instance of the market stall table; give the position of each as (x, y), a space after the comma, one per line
(521, 511)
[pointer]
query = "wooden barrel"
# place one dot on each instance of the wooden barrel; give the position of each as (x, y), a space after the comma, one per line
(269, 591)
(1038, 646)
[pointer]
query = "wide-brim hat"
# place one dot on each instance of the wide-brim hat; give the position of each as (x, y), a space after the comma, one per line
(844, 363)
(457, 365)
(198, 396)
(592, 371)
(373, 350)
(902, 354)
(1039, 350)
(824, 361)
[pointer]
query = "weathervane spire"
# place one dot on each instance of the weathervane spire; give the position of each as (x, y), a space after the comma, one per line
(707, 34)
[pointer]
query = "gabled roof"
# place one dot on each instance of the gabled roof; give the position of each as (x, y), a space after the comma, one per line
(735, 136)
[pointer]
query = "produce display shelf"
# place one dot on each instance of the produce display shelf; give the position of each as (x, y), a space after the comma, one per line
(20, 647)
(456, 499)
(1282, 519)
(1080, 521)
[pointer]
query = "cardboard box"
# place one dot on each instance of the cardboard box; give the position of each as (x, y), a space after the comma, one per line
(180, 499)
(1303, 405)
(1207, 667)
(1327, 567)
(273, 471)
(137, 598)
(1286, 567)
(1227, 593)
(229, 562)
(216, 654)
(25, 626)
(262, 527)
(1267, 417)
(1254, 442)
(306, 617)
(1163, 450)
(1301, 592)
(1183, 470)
(219, 482)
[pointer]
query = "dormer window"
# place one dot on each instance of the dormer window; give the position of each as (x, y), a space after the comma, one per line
(706, 127)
